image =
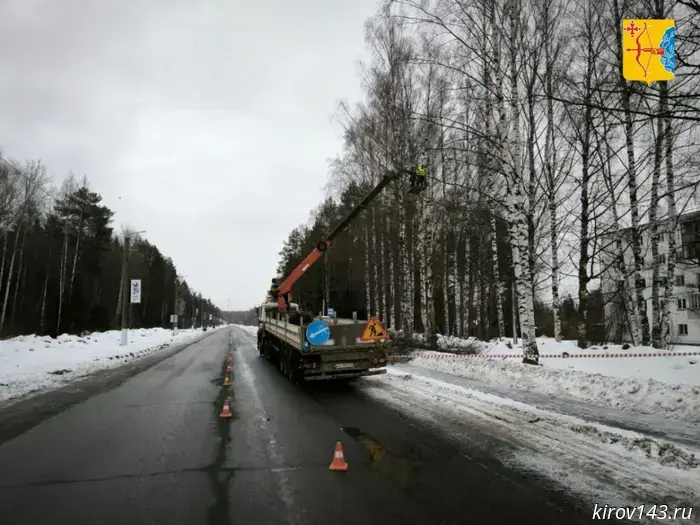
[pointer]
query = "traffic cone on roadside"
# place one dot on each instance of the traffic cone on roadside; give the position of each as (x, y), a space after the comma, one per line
(226, 412)
(228, 368)
(338, 462)
(227, 381)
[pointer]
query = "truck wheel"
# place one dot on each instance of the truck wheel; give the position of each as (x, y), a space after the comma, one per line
(281, 361)
(294, 372)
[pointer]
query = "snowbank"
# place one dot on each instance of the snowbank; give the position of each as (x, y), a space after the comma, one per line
(29, 363)
(599, 462)
(250, 330)
(644, 384)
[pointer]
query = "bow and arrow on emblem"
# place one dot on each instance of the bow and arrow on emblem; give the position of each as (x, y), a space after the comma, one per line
(653, 51)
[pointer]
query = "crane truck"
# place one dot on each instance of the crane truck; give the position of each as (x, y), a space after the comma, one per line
(308, 348)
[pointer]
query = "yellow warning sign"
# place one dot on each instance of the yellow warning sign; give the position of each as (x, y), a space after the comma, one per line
(374, 331)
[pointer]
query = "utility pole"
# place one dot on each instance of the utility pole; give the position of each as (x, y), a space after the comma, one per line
(175, 310)
(194, 315)
(126, 297)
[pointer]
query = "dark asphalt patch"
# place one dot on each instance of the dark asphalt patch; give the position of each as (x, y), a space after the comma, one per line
(17, 417)
(219, 477)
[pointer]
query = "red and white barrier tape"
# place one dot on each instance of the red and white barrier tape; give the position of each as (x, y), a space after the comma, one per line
(445, 355)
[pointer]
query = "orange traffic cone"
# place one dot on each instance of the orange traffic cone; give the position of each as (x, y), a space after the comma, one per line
(227, 381)
(226, 412)
(338, 462)
(228, 368)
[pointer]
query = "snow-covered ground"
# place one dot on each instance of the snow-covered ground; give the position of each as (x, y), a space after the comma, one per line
(576, 424)
(32, 363)
(250, 330)
(600, 463)
(648, 385)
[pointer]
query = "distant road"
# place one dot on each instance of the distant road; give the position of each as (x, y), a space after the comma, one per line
(154, 450)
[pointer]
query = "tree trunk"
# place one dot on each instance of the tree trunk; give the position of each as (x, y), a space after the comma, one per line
(76, 254)
(8, 282)
(654, 233)
(497, 279)
(516, 198)
(5, 238)
(45, 292)
(389, 281)
(368, 272)
(672, 216)
(62, 277)
(532, 182)
(419, 322)
(21, 273)
(379, 264)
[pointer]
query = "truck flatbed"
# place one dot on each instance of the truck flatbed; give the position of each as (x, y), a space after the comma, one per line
(343, 356)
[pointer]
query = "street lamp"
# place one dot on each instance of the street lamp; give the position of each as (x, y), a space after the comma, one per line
(125, 285)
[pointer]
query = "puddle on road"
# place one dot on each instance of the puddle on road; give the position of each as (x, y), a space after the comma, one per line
(402, 470)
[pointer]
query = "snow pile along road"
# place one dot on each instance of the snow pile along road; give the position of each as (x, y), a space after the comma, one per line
(250, 330)
(670, 384)
(30, 363)
(597, 462)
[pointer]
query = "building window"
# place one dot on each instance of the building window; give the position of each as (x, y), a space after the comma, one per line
(695, 301)
(662, 258)
(643, 282)
(682, 329)
(697, 279)
(682, 304)
(680, 280)
(663, 281)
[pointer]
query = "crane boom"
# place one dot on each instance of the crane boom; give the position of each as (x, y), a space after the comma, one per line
(418, 184)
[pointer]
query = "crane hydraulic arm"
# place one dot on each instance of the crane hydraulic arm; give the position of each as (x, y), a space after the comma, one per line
(418, 184)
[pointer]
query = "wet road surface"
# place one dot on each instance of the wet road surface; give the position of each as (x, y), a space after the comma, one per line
(154, 450)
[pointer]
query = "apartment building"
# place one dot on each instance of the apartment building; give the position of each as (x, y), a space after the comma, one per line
(685, 306)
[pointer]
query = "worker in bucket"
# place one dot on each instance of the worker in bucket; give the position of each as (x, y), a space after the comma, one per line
(419, 177)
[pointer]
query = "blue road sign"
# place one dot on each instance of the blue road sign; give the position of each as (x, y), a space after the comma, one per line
(318, 333)
(331, 312)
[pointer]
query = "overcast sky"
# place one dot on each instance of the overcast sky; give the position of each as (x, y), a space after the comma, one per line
(207, 123)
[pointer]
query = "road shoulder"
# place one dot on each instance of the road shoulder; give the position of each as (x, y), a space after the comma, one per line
(19, 416)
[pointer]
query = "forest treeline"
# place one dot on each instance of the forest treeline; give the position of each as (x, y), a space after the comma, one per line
(61, 262)
(542, 159)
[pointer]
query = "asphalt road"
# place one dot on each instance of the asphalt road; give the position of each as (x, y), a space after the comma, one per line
(154, 450)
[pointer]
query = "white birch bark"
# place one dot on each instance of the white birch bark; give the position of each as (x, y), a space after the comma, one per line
(62, 278)
(368, 265)
(76, 253)
(5, 238)
(498, 159)
(21, 268)
(406, 276)
(654, 235)
(672, 217)
(516, 197)
(391, 308)
(8, 281)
